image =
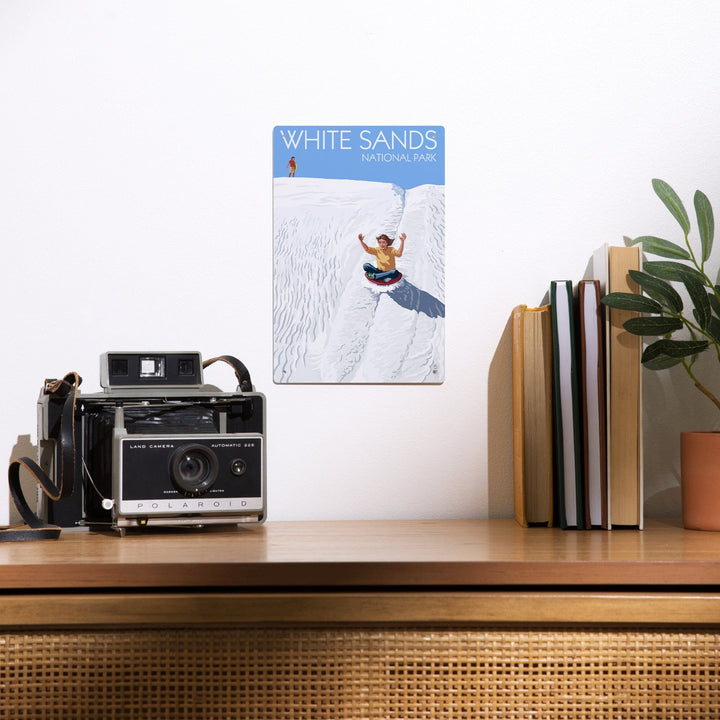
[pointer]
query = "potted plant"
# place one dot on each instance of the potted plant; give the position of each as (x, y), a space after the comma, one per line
(664, 317)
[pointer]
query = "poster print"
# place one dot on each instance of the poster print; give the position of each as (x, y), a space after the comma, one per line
(359, 262)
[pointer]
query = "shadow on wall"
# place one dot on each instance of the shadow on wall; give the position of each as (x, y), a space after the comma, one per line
(661, 432)
(24, 448)
(670, 406)
(500, 451)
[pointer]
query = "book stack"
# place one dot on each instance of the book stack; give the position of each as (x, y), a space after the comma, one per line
(577, 412)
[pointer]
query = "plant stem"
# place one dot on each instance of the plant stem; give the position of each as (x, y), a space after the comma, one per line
(708, 394)
(701, 267)
(700, 386)
(693, 328)
(692, 254)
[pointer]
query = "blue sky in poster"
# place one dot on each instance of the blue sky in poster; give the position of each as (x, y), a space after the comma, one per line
(408, 156)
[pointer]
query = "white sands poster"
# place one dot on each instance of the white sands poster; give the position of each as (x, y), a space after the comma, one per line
(359, 240)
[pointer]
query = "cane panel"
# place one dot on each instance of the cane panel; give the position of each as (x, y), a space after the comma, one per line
(374, 673)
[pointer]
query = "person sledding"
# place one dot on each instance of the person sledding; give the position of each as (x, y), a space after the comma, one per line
(384, 272)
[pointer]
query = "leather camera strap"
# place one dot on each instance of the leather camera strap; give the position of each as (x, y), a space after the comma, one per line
(34, 528)
(241, 372)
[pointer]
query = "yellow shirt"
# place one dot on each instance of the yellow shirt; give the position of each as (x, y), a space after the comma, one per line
(385, 258)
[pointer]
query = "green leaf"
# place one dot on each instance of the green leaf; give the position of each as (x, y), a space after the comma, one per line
(706, 222)
(673, 203)
(663, 248)
(631, 301)
(714, 303)
(673, 349)
(669, 270)
(714, 329)
(652, 325)
(699, 297)
(661, 362)
(658, 290)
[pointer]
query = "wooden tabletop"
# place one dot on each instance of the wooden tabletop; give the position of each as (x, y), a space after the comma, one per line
(408, 554)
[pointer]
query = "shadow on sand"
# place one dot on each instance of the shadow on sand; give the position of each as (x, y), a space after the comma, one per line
(412, 298)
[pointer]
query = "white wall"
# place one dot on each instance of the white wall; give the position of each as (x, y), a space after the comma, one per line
(136, 204)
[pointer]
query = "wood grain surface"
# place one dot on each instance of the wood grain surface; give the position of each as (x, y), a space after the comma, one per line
(384, 554)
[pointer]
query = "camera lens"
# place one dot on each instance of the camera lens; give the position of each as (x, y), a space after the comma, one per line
(193, 469)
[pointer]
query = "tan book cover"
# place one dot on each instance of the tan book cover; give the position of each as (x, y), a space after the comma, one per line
(532, 415)
(624, 396)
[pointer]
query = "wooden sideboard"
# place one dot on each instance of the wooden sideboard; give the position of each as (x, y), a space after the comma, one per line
(366, 619)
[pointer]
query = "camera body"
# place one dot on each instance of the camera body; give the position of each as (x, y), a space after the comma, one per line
(157, 446)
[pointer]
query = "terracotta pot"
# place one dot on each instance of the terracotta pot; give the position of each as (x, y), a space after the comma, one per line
(700, 481)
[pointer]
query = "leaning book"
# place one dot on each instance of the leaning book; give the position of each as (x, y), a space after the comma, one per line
(532, 415)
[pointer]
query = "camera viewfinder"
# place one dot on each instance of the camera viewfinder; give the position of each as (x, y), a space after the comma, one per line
(186, 367)
(119, 367)
(152, 367)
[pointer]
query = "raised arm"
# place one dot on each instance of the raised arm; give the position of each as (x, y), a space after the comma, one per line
(402, 245)
(362, 242)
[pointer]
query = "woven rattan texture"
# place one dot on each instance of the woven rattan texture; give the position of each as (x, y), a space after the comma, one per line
(317, 673)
